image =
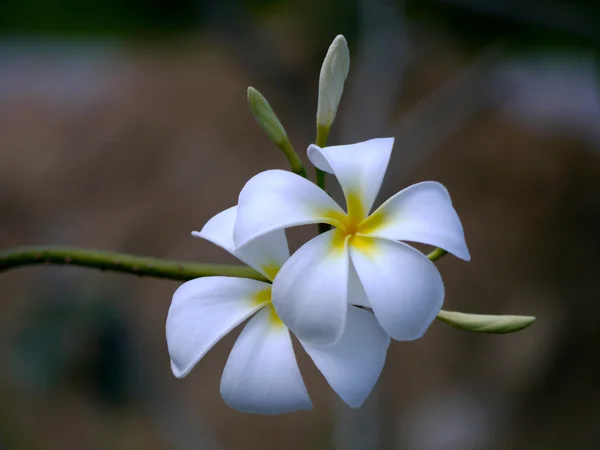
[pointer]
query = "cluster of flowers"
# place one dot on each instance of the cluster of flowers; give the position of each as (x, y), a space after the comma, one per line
(343, 294)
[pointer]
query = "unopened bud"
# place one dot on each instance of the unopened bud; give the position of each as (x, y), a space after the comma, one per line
(485, 323)
(331, 82)
(266, 118)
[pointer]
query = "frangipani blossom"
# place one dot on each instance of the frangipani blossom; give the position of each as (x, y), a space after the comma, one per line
(360, 261)
(261, 374)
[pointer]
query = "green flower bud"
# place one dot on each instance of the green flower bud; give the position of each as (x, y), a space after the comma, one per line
(268, 121)
(266, 118)
(485, 323)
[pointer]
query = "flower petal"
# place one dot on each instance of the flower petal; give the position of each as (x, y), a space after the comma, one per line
(358, 167)
(262, 375)
(265, 254)
(353, 364)
(404, 288)
(422, 213)
(219, 229)
(356, 293)
(277, 199)
(310, 293)
(203, 311)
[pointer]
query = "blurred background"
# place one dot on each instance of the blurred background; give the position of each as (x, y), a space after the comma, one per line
(124, 126)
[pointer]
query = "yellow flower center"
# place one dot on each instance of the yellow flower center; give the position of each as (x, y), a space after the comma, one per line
(263, 297)
(270, 270)
(354, 226)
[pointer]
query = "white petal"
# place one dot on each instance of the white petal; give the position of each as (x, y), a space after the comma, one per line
(219, 229)
(203, 311)
(422, 213)
(353, 364)
(404, 288)
(265, 254)
(358, 167)
(310, 293)
(277, 199)
(356, 292)
(262, 375)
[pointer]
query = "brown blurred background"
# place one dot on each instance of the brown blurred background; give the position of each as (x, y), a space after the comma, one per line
(124, 126)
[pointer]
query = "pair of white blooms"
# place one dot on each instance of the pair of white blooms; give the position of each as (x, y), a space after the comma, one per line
(319, 293)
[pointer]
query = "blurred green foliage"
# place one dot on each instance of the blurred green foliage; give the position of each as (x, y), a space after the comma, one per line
(477, 22)
(521, 24)
(110, 17)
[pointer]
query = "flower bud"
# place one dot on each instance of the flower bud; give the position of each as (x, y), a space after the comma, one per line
(268, 121)
(485, 323)
(266, 118)
(331, 82)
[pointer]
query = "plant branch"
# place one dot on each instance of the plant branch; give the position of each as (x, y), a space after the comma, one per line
(127, 263)
(184, 271)
(119, 262)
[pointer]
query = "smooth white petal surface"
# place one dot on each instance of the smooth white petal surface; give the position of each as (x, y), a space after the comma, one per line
(353, 364)
(359, 168)
(422, 213)
(219, 229)
(356, 292)
(277, 199)
(203, 311)
(262, 375)
(404, 288)
(310, 293)
(265, 254)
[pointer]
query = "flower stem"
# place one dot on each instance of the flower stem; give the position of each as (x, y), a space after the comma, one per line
(184, 271)
(321, 141)
(119, 262)
(127, 263)
(293, 158)
(437, 254)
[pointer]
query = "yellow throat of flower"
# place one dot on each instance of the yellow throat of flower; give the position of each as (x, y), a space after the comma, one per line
(354, 226)
(263, 297)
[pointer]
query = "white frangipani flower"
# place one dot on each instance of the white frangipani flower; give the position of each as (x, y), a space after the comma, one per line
(261, 374)
(361, 260)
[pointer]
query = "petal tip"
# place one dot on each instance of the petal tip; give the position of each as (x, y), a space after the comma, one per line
(356, 404)
(179, 373)
(464, 255)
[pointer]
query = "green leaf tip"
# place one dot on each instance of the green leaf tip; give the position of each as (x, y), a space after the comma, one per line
(482, 323)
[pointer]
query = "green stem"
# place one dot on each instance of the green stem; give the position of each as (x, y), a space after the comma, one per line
(183, 271)
(437, 254)
(119, 262)
(321, 141)
(126, 263)
(296, 165)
